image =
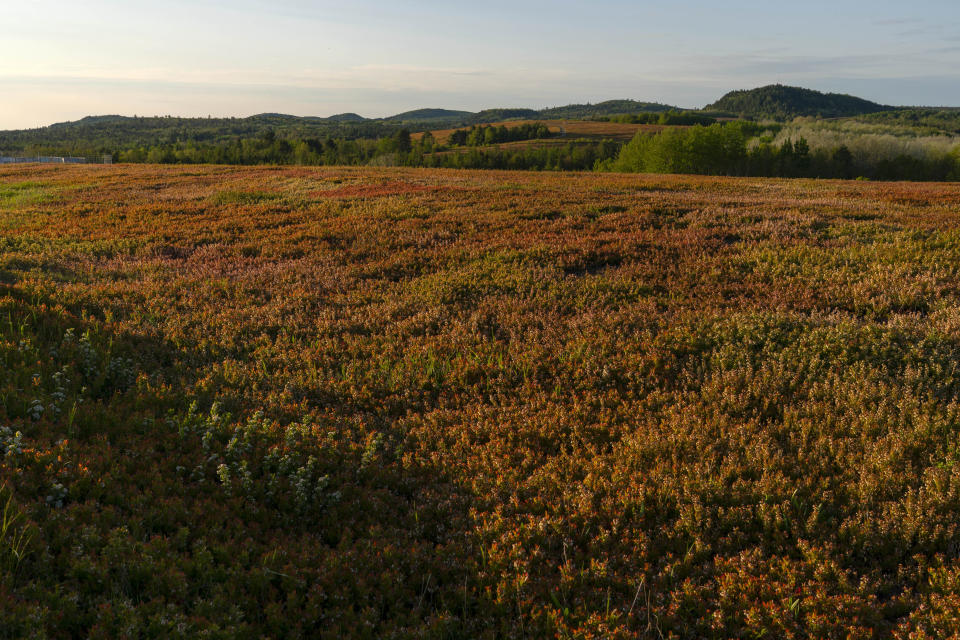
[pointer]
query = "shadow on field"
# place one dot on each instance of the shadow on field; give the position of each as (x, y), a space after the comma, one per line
(155, 512)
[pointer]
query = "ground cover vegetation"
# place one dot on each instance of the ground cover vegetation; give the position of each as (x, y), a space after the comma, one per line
(361, 402)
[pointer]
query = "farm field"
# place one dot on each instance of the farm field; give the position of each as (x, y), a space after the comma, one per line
(246, 402)
(586, 129)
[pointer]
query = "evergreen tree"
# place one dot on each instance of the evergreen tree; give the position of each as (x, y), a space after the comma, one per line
(404, 144)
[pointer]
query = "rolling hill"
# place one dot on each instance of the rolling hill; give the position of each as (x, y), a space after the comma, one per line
(109, 134)
(607, 108)
(499, 115)
(347, 117)
(421, 116)
(781, 102)
(486, 116)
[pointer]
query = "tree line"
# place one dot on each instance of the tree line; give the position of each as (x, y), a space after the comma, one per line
(730, 149)
(480, 135)
(667, 118)
(184, 138)
(572, 156)
(736, 148)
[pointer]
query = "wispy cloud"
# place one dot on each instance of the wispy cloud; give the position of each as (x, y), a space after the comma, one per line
(886, 22)
(789, 65)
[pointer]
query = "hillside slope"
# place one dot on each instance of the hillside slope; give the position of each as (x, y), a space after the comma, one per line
(430, 115)
(606, 108)
(781, 102)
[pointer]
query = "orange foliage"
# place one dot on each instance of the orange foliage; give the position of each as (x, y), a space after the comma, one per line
(348, 402)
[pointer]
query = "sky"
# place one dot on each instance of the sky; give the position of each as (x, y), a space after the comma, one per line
(62, 60)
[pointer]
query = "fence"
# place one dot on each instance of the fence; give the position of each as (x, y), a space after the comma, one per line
(56, 160)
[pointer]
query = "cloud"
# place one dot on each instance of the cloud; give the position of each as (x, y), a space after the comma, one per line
(414, 70)
(801, 64)
(778, 64)
(886, 22)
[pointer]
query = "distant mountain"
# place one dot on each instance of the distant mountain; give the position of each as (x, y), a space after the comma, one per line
(283, 120)
(107, 130)
(608, 108)
(428, 116)
(499, 115)
(95, 135)
(346, 117)
(572, 111)
(780, 102)
(93, 120)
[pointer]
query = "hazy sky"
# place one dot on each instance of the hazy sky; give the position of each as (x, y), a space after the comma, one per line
(61, 60)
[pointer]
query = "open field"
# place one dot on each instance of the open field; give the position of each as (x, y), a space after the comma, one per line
(515, 145)
(345, 402)
(571, 129)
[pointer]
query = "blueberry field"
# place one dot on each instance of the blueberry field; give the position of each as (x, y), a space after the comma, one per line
(405, 403)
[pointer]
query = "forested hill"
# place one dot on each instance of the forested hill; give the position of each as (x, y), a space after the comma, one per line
(426, 116)
(607, 108)
(96, 135)
(780, 102)
(110, 134)
(346, 117)
(279, 138)
(117, 130)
